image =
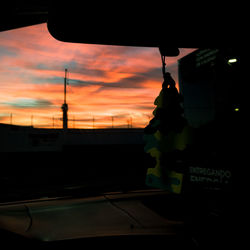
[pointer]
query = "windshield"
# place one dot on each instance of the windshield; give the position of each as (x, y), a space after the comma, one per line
(73, 116)
(109, 93)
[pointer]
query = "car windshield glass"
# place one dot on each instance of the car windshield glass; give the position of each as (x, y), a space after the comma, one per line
(73, 114)
(75, 118)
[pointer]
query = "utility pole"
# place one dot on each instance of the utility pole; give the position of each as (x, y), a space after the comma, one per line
(129, 122)
(65, 105)
(53, 122)
(93, 120)
(31, 121)
(112, 118)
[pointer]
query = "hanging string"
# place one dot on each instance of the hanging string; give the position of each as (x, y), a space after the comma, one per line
(167, 79)
(163, 59)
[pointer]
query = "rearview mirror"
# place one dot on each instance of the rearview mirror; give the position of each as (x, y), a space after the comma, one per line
(109, 26)
(149, 25)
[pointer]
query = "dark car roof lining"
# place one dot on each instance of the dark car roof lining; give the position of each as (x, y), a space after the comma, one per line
(130, 25)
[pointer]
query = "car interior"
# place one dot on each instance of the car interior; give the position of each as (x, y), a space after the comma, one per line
(132, 215)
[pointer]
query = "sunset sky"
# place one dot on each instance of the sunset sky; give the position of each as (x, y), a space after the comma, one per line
(104, 81)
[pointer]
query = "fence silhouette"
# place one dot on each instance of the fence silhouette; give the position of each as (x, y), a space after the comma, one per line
(74, 121)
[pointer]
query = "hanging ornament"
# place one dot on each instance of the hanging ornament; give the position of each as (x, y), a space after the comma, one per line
(166, 134)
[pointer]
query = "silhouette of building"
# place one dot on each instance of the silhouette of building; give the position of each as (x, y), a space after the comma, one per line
(209, 82)
(16, 138)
